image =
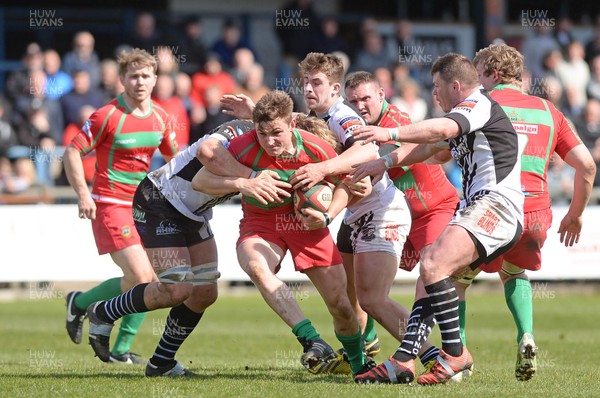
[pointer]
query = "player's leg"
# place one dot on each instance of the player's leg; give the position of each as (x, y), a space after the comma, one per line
(134, 263)
(331, 284)
(184, 318)
(366, 323)
(259, 258)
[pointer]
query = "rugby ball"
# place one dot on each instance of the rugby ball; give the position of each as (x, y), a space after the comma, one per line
(318, 197)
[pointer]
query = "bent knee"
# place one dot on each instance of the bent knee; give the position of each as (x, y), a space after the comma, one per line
(177, 292)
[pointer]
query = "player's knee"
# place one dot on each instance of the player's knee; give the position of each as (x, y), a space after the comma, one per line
(203, 296)
(368, 302)
(176, 292)
(340, 307)
(256, 271)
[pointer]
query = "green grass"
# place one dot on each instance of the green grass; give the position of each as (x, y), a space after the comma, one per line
(241, 349)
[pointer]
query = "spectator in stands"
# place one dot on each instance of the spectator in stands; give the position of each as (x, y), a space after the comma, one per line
(8, 138)
(410, 101)
(588, 126)
(243, 60)
(593, 88)
(18, 82)
(34, 132)
(191, 43)
(145, 35)
(574, 73)
(552, 90)
(111, 84)
(16, 175)
(536, 46)
(35, 116)
(328, 39)
(564, 34)
(58, 82)
(83, 57)
(296, 41)
(168, 61)
(164, 95)
(82, 94)
(560, 181)
(373, 54)
(592, 48)
(384, 78)
(212, 74)
(214, 111)
(231, 39)
(183, 88)
(405, 46)
(72, 129)
(253, 86)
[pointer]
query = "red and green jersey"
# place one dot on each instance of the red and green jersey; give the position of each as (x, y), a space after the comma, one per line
(424, 185)
(247, 150)
(546, 131)
(124, 145)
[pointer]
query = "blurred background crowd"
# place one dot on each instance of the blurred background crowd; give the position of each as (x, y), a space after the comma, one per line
(56, 82)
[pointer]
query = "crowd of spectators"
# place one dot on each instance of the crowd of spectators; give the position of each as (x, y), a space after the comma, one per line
(47, 100)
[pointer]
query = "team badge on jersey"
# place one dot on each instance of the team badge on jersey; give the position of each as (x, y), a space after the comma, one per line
(126, 231)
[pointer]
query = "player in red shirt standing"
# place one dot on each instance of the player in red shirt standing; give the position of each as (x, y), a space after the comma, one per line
(124, 133)
(546, 132)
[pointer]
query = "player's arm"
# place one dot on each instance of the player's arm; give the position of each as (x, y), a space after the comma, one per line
(309, 174)
(216, 158)
(264, 186)
(403, 156)
(75, 175)
(424, 132)
(585, 170)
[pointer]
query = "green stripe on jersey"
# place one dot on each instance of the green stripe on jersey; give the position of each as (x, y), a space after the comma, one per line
(126, 177)
(533, 163)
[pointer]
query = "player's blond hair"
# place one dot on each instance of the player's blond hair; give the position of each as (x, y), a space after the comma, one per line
(330, 65)
(319, 128)
(136, 58)
(503, 58)
(454, 66)
(273, 105)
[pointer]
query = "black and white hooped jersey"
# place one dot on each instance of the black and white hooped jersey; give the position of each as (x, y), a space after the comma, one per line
(487, 148)
(174, 179)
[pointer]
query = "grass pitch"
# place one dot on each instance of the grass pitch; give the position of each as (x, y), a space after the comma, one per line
(241, 349)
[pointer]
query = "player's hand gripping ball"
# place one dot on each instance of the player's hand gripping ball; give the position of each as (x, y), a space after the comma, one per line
(318, 197)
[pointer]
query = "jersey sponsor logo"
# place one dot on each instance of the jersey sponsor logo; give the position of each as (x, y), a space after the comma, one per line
(488, 222)
(459, 150)
(466, 105)
(139, 215)
(86, 128)
(125, 141)
(524, 128)
(166, 227)
(350, 123)
(392, 233)
(126, 231)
